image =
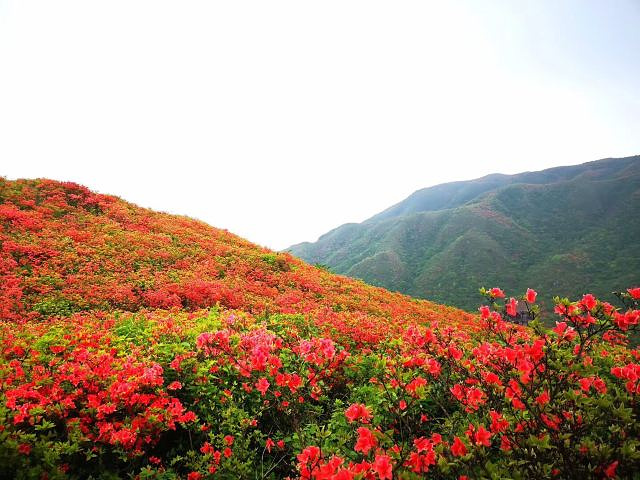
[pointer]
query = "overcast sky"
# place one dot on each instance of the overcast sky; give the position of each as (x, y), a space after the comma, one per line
(279, 120)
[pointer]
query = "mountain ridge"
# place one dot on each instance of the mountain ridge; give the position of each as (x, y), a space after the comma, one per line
(506, 218)
(495, 179)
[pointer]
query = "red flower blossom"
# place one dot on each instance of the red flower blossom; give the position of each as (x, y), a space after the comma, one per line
(631, 373)
(585, 383)
(495, 292)
(309, 455)
(262, 386)
(492, 379)
(626, 320)
(634, 292)
(588, 301)
(498, 423)
(24, 448)
(415, 384)
(483, 436)
(269, 444)
(420, 463)
(207, 448)
(366, 441)
(531, 295)
(543, 398)
(505, 443)
(610, 471)
(383, 467)
(563, 332)
(458, 449)
(358, 411)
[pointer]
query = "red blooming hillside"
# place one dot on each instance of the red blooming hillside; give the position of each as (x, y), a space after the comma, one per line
(66, 250)
(146, 345)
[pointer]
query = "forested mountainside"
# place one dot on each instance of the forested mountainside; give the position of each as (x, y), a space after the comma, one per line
(564, 230)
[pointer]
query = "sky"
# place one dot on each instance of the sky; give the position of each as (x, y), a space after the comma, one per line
(281, 120)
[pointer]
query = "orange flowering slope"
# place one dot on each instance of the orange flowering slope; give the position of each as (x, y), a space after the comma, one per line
(136, 344)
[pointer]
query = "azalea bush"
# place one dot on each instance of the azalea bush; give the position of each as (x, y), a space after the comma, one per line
(141, 345)
(222, 394)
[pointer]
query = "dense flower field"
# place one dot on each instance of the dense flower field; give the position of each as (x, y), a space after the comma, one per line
(140, 344)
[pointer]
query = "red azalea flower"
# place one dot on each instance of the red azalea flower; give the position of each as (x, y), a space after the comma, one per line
(24, 448)
(458, 449)
(269, 444)
(309, 455)
(262, 385)
(207, 448)
(531, 295)
(505, 443)
(585, 383)
(610, 471)
(588, 301)
(495, 292)
(358, 411)
(543, 398)
(366, 441)
(634, 292)
(383, 467)
(492, 379)
(498, 423)
(483, 437)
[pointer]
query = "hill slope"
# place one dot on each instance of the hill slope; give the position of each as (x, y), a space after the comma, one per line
(562, 230)
(66, 250)
(136, 344)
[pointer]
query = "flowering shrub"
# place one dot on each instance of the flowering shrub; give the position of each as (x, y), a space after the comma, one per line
(141, 345)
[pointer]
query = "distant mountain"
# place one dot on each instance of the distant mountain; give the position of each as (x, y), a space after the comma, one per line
(564, 230)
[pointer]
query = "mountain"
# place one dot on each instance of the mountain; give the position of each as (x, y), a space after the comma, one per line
(566, 230)
(137, 344)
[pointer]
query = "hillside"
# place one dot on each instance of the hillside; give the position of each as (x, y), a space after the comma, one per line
(67, 250)
(137, 344)
(564, 230)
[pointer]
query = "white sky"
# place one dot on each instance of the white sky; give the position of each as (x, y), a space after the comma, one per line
(279, 120)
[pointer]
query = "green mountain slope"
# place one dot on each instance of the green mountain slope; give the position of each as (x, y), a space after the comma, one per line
(564, 230)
